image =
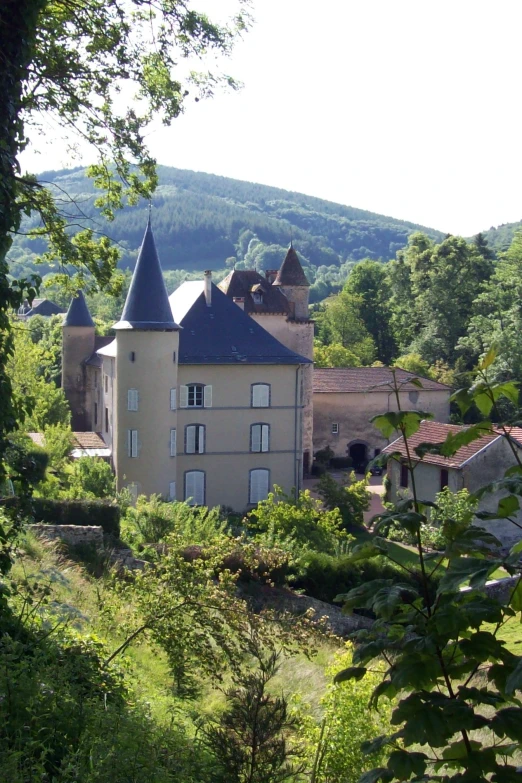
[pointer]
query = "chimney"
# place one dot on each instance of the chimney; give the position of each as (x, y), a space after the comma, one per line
(271, 275)
(208, 287)
(240, 301)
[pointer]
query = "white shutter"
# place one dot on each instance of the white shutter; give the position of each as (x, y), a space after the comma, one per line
(173, 443)
(207, 397)
(190, 439)
(261, 395)
(134, 445)
(172, 489)
(195, 487)
(173, 399)
(256, 437)
(132, 400)
(258, 485)
(183, 396)
(265, 429)
(201, 444)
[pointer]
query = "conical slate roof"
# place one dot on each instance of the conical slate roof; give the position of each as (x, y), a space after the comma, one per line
(78, 313)
(147, 305)
(291, 272)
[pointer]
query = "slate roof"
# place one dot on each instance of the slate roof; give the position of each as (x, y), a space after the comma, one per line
(147, 304)
(43, 307)
(78, 313)
(291, 272)
(95, 359)
(222, 333)
(242, 282)
(435, 432)
(346, 380)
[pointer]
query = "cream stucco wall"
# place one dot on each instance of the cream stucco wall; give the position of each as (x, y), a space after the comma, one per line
(353, 413)
(299, 337)
(108, 381)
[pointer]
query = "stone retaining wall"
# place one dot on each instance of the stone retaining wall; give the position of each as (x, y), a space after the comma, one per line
(70, 534)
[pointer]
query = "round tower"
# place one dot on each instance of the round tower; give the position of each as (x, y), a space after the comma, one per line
(78, 338)
(294, 285)
(146, 379)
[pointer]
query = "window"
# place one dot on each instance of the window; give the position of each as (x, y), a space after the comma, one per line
(173, 399)
(259, 483)
(404, 475)
(172, 490)
(195, 439)
(195, 395)
(132, 356)
(95, 414)
(132, 400)
(260, 395)
(195, 487)
(260, 437)
(132, 443)
(335, 429)
(413, 396)
(106, 420)
(444, 478)
(258, 298)
(173, 443)
(106, 384)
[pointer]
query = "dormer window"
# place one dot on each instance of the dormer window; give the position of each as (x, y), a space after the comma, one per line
(258, 298)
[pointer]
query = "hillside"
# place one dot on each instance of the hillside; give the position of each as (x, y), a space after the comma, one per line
(500, 238)
(200, 220)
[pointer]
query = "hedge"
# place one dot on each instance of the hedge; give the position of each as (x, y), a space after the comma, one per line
(341, 463)
(73, 512)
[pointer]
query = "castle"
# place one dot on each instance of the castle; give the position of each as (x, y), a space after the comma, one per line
(204, 396)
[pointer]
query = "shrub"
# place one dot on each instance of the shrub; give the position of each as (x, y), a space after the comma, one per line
(78, 512)
(351, 500)
(91, 477)
(324, 455)
(151, 520)
(341, 463)
(25, 460)
(318, 469)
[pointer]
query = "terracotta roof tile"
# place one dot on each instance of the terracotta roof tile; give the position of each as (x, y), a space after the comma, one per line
(366, 379)
(435, 432)
(88, 440)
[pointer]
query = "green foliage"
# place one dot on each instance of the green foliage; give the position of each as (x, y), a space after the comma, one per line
(91, 477)
(335, 745)
(334, 355)
(413, 362)
(151, 520)
(296, 525)
(341, 323)
(352, 500)
(25, 460)
(58, 439)
(368, 280)
(252, 740)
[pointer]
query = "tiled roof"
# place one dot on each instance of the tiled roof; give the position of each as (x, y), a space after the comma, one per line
(242, 282)
(100, 341)
(78, 313)
(81, 440)
(147, 305)
(44, 307)
(435, 432)
(367, 379)
(291, 272)
(222, 333)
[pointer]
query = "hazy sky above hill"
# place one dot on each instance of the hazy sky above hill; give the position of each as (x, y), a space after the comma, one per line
(407, 108)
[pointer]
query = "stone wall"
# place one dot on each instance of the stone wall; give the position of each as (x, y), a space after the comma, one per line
(70, 534)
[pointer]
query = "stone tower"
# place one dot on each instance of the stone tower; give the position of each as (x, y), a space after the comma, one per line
(78, 339)
(294, 285)
(145, 416)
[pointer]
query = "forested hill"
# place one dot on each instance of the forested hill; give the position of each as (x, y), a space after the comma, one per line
(501, 237)
(200, 220)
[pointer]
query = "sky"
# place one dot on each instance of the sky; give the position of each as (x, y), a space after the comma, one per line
(407, 108)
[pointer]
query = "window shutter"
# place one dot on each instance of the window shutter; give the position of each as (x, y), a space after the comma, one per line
(134, 445)
(265, 430)
(207, 397)
(256, 437)
(199, 488)
(129, 441)
(201, 440)
(173, 399)
(183, 396)
(190, 439)
(132, 400)
(258, 485)
(260, 395)
(172, 489)
(173, 443)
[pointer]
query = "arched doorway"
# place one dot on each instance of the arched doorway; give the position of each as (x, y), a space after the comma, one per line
(358, 452)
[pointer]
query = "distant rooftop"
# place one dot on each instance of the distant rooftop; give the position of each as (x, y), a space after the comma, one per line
(291, 272)
(242, 283)
(334, 380)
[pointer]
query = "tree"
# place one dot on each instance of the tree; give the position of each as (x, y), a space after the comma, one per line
(69, 59)
(334, 355)
(369, 281)
(91, 477)
(341, 323)
(458, 714)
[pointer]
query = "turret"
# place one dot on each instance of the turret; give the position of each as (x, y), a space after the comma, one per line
(78, 336)
(294, 284)
(145, 394)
